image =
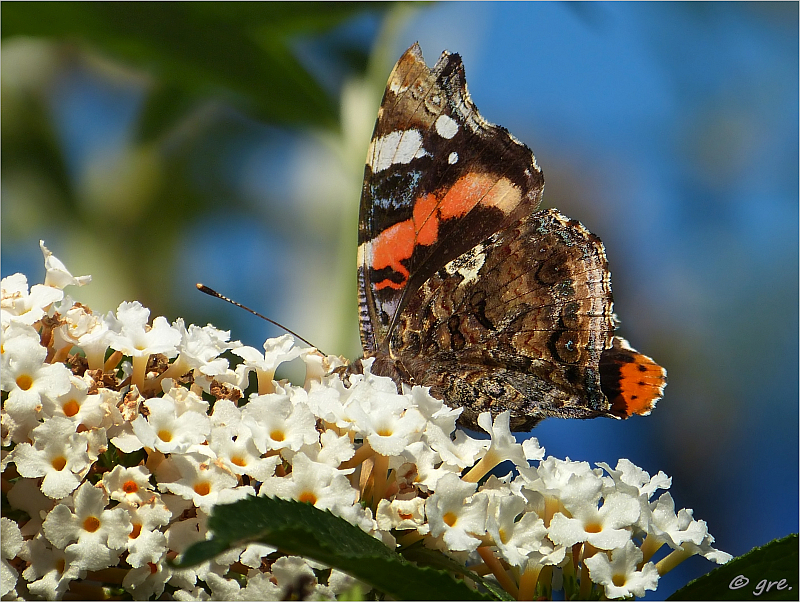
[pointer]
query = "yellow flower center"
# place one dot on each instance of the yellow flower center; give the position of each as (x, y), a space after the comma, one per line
(618, 580)
(307, 496)
(503, 535)
(593, 528)
(165, 435)
(277, 435)
(24, 382)
(202, 488)
(91, 524)
(71, 408)
(59, 463)
(450, 519)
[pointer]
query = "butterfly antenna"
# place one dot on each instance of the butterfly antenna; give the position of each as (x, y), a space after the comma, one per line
(210, 291)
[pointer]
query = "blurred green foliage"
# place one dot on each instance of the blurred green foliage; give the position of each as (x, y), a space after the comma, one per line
(203, 69)
(240, 51)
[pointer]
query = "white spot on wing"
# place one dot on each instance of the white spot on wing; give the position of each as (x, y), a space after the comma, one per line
(446, 126)
(468, 264)
(395, 147)
(453, 158)
(397, 88)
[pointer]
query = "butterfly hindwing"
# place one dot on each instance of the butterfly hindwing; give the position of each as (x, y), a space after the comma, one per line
(519, 322)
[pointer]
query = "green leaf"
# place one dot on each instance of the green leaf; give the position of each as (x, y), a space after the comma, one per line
(766, 573)
(421, 555)
(301, 529)
(239, 51)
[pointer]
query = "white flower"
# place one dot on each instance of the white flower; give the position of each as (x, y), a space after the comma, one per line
(390, 431)
(146, 543)
(57, 275)
(10, 545)
(48, 573)
(276, 351)
(239, 454)
(428, 466)
(315, 483)
(77, 405)
(222, 588)
(58, 454)
(18, 305)
(147, 581)
(532, 449)
(253, 554)
(605, 528)
(130, 485)
(332, 449)
(326, 399)
(186, 400)
(318, 366)
(564, 480)
(26, 495)
(169, 430)
(402, 514)
(627, 473)
(705, 550)
(529, 538)
(226, 414)
(278, 423)
(99, 534)
(193, 477)
(504, 446)
(28, 379)
(17, 428)
(88, 331)
(458, 513)
(674, 529)
(460, 449)
(135, 338)
(200, 347)
(502, 522)
(260, 586)
(619, 576)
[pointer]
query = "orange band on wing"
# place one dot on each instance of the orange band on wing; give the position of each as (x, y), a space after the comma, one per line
(396, 244)
(393, 245)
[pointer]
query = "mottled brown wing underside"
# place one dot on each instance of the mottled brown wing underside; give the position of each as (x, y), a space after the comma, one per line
(518, 323)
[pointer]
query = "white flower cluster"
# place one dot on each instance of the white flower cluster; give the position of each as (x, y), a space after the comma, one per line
(119, 435)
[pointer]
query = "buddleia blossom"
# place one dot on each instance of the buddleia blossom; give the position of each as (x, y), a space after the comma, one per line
(58, 454)
(122, 433)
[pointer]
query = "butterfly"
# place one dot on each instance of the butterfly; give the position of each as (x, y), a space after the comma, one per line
(464, 287)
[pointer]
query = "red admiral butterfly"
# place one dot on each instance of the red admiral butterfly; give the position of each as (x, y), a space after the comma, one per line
(463, 286)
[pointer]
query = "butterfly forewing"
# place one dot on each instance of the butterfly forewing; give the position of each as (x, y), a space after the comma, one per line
(434, 166)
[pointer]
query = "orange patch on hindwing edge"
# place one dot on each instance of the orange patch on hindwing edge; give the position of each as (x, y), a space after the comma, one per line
(631, 381)
(396, 244)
